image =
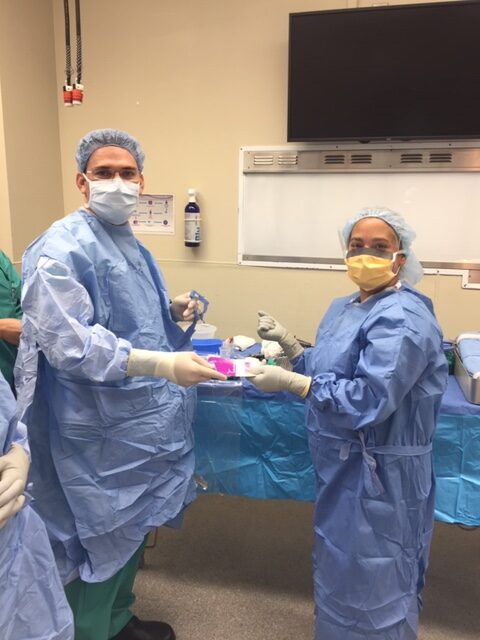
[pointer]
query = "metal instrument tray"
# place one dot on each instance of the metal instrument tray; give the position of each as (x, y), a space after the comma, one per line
(468, 384)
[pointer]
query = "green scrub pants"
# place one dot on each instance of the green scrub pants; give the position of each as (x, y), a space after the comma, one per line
(101, 609)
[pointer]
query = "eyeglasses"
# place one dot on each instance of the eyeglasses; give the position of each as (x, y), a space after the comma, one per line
(107, 173)
(388, 255)
(359, 251)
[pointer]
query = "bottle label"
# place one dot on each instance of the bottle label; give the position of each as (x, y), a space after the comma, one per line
(192, 228)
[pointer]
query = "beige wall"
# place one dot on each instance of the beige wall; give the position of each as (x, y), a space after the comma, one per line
(5, 225)
(31, 193)
(194, 80)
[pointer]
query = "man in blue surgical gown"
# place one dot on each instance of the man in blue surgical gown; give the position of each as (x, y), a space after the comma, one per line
(32, 600)
(104, 374)
(373, 384)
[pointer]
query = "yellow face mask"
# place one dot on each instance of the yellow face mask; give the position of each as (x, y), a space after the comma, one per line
(370, 269)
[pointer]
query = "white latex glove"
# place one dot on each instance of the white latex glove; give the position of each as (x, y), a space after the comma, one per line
(13, 478)
(182, 367)
(270, 329)
(271, 378)
(183, 307)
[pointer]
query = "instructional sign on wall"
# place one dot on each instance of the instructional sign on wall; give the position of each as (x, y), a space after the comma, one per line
(155, 214)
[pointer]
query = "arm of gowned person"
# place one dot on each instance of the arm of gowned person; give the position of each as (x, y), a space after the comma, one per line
(182, 367)
(396, 357)
(59, 320)
(10, 330)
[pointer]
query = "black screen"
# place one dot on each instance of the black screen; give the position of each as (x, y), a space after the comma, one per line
(401, 72)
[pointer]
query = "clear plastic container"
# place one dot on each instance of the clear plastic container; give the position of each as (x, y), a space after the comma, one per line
(204, 331)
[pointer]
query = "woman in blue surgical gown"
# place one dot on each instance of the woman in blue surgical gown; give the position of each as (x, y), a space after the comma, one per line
(373, 384)
(32, 601)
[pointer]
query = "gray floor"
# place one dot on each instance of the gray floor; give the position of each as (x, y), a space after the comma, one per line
(240, 569)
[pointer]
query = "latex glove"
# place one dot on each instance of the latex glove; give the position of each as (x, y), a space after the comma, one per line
(10, 330)
(13, 478)
(182, 367)
(271, 378)
(270, 329)
(183, 307)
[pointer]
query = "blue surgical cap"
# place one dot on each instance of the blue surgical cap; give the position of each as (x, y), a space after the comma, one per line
(107, 138)
(412, 270)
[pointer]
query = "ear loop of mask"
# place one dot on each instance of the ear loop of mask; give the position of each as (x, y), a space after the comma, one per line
(400, 252)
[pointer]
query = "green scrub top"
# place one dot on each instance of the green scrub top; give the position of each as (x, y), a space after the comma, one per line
(10, 292)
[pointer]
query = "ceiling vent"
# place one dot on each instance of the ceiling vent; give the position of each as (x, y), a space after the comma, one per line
(442, 157)
(334, 158)
(288, 159)
(411, 158)
(262, 159)
(361, 158)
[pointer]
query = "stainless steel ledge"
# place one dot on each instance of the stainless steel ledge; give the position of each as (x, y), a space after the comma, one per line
(362, 161)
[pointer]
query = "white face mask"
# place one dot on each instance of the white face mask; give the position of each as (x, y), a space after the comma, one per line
(114, 200)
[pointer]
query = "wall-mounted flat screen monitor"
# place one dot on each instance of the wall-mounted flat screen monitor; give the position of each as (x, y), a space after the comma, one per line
(405, 72)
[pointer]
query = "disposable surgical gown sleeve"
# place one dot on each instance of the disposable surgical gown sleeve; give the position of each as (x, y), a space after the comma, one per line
(388, 358)
(59, 312)
(32, 599)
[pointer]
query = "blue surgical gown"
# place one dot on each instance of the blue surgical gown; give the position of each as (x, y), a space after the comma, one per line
(112, 456)
(32, 601)
(378, 375)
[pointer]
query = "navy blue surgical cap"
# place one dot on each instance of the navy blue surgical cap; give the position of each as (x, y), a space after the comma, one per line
(107, 138)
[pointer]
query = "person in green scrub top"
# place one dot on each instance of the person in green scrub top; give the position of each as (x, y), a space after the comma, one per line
(10, 316)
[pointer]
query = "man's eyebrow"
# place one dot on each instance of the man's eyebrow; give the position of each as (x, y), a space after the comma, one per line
(109, 166)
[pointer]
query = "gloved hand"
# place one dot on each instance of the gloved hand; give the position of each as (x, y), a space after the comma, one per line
(271, 378)
(270, 329)
(183, 307)
(13, 478)
(182, 367)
